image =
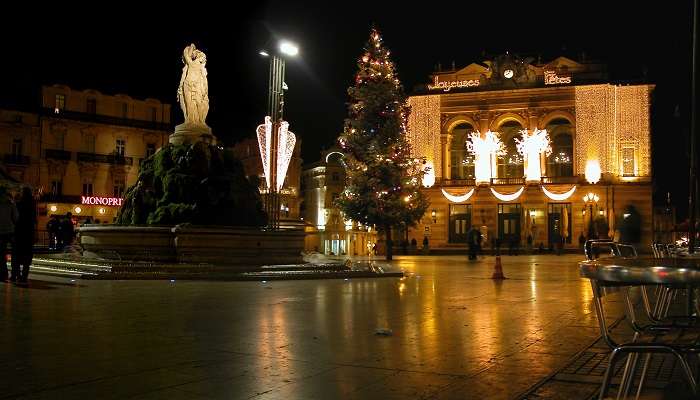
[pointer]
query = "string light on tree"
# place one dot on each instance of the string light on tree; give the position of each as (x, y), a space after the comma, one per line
(384, 173)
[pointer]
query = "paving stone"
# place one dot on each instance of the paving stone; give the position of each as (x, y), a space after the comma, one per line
(455, 334)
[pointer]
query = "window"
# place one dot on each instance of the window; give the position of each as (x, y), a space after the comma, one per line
(150, 149)
(16, 147)
(56, 188)
(335, 177)
(121, 147)
(628, 161)
(125, 110)
(119, 186)
(461, 161)
(560, 161)
(59, 103)
(154, 114)
(87, 188)
(89, 143)
(60, 139)
(91, 106)
(510, 165)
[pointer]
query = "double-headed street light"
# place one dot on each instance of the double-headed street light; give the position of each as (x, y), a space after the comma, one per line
(590, 199)
(275, 140)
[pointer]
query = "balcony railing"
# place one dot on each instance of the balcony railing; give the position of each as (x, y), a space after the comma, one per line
(104, 119)
(459, 182)
(559, 179)
(58, 154)
(16, 159)
(60, 198)
(106, 158)
(507, 181)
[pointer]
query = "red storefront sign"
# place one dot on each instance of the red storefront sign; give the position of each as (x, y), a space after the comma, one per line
(102, 201)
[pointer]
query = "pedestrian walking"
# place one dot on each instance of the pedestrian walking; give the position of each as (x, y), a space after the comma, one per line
(8, 218)
(25, 229)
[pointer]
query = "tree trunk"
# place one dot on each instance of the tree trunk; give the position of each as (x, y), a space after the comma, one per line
(389, 244)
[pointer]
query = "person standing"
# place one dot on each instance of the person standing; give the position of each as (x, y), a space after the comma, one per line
(52, 229)
(8, 218)
(479, 240)
(472, 242)
(25, 229)
(67, 230)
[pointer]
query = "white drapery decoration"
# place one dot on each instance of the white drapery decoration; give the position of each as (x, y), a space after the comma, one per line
(508, 197)
(559, 196)
(458, 199)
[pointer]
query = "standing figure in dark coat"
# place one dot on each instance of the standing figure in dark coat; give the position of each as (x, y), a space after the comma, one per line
(25, 229)
(8, 219)
(67, 230)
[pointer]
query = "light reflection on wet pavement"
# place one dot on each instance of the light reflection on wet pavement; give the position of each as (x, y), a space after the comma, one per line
(449, 332)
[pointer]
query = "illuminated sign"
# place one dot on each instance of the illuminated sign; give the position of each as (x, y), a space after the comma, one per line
(551, 78)
(103, 201)
(448, 85)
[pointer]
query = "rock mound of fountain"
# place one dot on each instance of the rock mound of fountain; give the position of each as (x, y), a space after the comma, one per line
(195, 183)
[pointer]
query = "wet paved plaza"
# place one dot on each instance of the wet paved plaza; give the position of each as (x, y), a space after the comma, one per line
(455, 334)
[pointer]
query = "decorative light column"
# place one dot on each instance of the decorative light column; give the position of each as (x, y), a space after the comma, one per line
(484, 150)
(531, 146)
(275, 140)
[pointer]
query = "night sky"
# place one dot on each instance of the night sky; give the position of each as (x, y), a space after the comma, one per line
(136, 49)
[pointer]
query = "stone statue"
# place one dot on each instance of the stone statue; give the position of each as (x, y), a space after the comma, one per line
(193, 96)
(193, 93)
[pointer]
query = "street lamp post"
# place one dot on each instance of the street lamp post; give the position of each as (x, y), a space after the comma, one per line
(590, 199)
(275, 110)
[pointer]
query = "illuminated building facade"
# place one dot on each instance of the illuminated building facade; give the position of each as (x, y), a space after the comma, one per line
(328, 232)
(562, 131)
(82, 148)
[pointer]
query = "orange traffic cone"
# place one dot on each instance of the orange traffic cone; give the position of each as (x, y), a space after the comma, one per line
(498, 270)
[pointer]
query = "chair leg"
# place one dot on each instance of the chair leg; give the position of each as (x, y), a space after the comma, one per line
(629, 379)
(647, 361)
(608, 373)
(688, 373)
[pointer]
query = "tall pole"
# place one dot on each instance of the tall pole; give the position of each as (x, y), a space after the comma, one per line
(692, 199)
(275, 104)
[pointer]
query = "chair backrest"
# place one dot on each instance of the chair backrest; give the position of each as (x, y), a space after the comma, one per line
(591, 245)
(615, 249)
(626, 250)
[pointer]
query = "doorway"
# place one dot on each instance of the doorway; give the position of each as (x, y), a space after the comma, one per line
(460, 222)
(509, 216)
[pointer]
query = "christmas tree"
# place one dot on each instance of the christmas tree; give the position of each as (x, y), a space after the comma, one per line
(383, 187)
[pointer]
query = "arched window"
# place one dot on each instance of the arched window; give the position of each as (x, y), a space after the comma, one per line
(510, 165)
(461, 161)
(561, 161)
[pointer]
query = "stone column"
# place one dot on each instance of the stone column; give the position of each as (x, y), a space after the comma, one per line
(445, 140)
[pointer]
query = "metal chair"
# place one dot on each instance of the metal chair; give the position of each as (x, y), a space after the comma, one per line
(660, 335)
(650, 340)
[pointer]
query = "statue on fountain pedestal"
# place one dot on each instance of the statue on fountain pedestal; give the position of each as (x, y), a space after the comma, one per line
(193, 96)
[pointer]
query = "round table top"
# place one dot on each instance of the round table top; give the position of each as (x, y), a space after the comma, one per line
(643, 271)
